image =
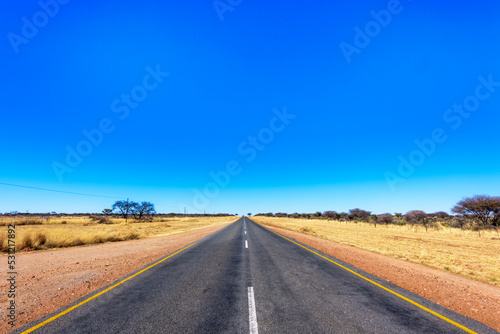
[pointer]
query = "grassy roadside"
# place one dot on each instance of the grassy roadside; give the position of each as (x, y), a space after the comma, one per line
(463, 253)
(69, 231)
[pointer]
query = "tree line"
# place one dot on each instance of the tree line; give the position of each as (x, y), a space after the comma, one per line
(477, 212)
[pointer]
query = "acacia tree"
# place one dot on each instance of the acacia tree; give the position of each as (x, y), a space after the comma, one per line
(331, 215)
(459, 221)
(495, 210)
(141, 210)
(344, 216)
(417, 217)
(124, 207)
(358, 214)
(107, 212)
(441, 216)
(482, 209)
(385, 218)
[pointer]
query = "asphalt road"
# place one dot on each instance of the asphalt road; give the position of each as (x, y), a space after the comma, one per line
(247, 279)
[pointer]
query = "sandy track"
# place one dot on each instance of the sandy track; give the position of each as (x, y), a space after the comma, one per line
(476, 300)
(48, 280)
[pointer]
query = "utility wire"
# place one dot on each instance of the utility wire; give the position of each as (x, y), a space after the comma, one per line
(56, 191)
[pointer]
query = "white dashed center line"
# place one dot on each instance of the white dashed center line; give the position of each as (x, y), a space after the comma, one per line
(246, 243)
(252, 312)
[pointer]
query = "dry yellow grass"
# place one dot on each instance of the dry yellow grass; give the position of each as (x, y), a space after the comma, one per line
(464, 253)
(74, 231)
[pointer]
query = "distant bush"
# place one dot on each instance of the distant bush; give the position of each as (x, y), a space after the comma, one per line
(101, 219)
(307, 230)
(401, 222)
(385, 219)
(359, 215)
(418, 217)
(104, 220)
(331, 215)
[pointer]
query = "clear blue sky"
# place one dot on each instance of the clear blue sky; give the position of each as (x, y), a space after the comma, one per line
(335, 95)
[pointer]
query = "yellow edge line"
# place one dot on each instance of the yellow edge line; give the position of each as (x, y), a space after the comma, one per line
(381, 286)
(100, 293)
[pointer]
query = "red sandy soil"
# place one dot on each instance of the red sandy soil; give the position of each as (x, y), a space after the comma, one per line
(475, 300)
(48, 280)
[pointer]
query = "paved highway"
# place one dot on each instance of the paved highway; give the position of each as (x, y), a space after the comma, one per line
(247, 279)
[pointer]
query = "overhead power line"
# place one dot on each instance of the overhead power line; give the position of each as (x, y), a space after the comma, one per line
(56, 191)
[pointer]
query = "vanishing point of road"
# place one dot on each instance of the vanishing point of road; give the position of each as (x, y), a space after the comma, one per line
(248, 279)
